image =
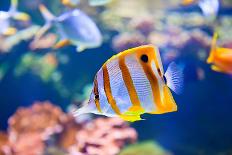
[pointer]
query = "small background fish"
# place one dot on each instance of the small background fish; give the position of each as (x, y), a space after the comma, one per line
(73, 27)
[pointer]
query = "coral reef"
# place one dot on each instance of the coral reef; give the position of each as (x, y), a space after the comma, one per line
(144, 25)
(3, 142)
(125, 41)
(44, 128)
(103, 136)
(43, 118)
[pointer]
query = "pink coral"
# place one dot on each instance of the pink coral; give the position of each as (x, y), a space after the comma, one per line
(42, 117)
(125, 41)
(103, 136)
(44, 128)
(3, 142)
(27, 144)
(67, 137)
(145, 24)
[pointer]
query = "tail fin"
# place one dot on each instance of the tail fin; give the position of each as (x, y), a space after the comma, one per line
(213, 48)
(13, 7)
(48, 16)
(175, 77)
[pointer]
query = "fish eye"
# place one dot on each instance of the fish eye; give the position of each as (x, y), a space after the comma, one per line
(165, 79)
(144, 58)
(96, 97)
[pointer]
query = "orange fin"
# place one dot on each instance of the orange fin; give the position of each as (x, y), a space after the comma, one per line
(62, 43)
(169, 103)
(217, 69)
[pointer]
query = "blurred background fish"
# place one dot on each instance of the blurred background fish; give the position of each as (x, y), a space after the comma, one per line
(70, 3)
(132, 83)
(13, 14)
(220, 58)
(74, 28)
(208, 7)
(74, 3)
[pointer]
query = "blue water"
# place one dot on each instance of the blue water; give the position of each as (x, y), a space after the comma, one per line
(202, 124)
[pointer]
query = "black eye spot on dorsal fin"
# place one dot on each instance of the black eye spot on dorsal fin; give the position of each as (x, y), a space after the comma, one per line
(144, 58)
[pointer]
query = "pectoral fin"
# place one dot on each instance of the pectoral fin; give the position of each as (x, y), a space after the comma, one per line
(62, 43)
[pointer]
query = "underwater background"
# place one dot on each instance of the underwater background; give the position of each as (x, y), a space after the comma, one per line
(39, 85)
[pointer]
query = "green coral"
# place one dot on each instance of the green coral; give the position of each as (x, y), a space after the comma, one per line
(144, 148)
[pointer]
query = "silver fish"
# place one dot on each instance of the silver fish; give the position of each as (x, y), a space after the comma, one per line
(74, 27)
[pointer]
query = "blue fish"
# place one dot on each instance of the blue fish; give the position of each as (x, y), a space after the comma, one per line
(73, 27)
(7, 16)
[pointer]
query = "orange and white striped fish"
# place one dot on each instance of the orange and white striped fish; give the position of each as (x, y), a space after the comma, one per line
(132, 83)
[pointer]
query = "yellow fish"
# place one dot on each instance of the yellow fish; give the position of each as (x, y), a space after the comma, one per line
(132, 83)
(188, 2)
(220, 58)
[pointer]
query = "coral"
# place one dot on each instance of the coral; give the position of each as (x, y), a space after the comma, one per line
(144, 148)
(3, 142)
(227, 45)
(125, 41)
(103, 136)
(144, 25)
(67, 137)
(44, 128)
(43, 118)
(29, 143)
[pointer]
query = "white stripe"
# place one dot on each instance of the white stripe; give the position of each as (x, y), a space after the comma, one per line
(117, 85)
(141, 83)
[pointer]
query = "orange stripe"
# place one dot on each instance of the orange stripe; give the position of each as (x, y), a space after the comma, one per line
(153, 81)
(129, 82)
(95, 90)
(107, 89)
